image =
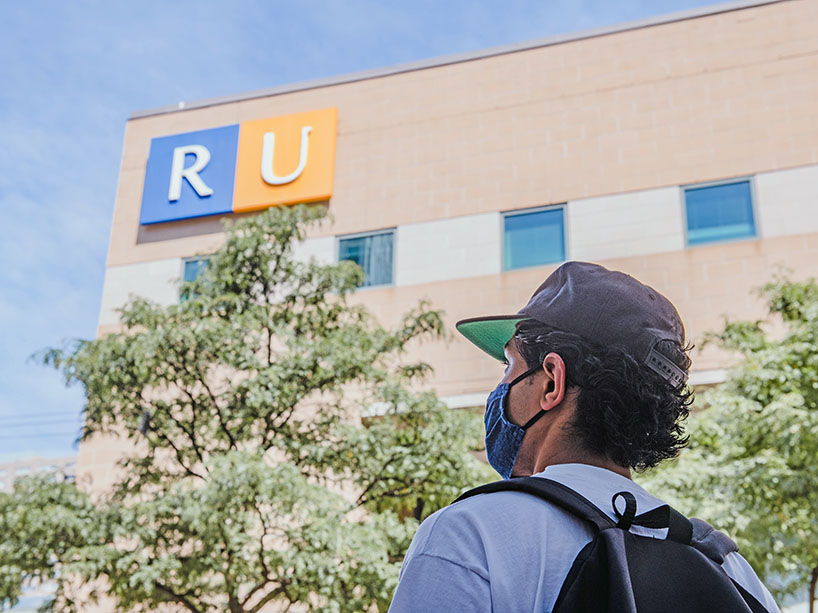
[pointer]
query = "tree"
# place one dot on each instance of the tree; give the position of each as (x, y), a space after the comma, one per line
(750, 468)
(282, 449)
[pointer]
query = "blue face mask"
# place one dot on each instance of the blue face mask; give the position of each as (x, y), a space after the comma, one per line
(503, 438)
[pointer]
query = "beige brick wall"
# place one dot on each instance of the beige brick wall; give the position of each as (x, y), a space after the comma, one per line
(718, 96)
(705, 283)
(635, 113)
(613, 122)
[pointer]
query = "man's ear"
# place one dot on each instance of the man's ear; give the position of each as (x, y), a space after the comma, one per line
(554, 390)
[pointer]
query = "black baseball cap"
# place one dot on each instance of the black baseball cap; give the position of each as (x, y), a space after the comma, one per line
(603, 306)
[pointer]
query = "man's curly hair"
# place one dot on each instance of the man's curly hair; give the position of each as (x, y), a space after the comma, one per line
(625, 411)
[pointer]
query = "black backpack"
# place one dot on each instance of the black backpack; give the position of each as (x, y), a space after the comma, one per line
(622, 572)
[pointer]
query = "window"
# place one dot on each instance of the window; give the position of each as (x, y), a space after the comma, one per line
(373, 253)
(193, 268)
(533, 238)
(719, 212)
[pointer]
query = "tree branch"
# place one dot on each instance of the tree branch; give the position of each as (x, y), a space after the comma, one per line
(179, 457)
(215, 403)
(173, 596)
(201, 379)
(281, 589)
(269, 346)
(362, 498)
(264, 566)
(191, 434)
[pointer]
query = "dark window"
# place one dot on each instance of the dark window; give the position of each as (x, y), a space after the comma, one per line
(193, 268)
(533, 238)
(719, 212)
(372, 252)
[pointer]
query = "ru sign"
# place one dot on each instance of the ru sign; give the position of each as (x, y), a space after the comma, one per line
(243, 167)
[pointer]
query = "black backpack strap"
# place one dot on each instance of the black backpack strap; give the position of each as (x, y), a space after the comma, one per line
(551, 491)
(680, 529)
(712, 543)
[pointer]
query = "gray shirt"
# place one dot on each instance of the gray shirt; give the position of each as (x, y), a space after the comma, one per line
(511, 551)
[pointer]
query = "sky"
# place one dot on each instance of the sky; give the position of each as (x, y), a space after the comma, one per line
(71, 73)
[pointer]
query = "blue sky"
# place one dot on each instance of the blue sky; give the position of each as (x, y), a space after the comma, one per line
(72, 72)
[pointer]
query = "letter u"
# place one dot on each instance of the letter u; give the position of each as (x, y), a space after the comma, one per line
(268, 152)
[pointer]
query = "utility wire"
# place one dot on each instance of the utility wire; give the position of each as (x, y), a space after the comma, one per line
(41, 435)
(32, 424)
(26, 414)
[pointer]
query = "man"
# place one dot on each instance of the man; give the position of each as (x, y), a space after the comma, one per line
(594, 387)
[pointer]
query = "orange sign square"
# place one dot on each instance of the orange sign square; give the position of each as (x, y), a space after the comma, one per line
(285, 160)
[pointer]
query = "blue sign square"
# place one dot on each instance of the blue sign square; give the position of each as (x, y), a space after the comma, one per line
(190, 175)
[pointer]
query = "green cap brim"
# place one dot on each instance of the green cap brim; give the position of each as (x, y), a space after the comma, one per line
(490, 333)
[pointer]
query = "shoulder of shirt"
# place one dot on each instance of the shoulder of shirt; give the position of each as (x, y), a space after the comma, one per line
(463, 517)
(582, 478)
(458, 533)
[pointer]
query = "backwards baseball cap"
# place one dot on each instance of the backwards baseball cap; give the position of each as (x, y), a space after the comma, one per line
(603, 306)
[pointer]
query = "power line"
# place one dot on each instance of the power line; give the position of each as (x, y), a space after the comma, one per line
(31, 424)
(40, 414)
(41, 435)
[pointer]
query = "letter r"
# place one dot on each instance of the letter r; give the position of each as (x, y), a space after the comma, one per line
(191, 173)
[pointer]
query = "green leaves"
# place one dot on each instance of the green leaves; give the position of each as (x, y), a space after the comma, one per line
(750, 468)
(281, 449)
(43, 522)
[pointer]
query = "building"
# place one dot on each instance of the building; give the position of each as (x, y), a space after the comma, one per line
(682, 149)
(63, 469)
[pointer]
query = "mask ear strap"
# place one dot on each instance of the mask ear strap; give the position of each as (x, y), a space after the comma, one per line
(539, 414)
(527, 373)
(533, 420)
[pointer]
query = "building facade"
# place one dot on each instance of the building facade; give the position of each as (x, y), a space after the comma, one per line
(62, 469)
(682, 150)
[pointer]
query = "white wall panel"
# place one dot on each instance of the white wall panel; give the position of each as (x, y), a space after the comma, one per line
(787, 201)
(455, 248)
(157, 281)
(323, 249)
(622, 225)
